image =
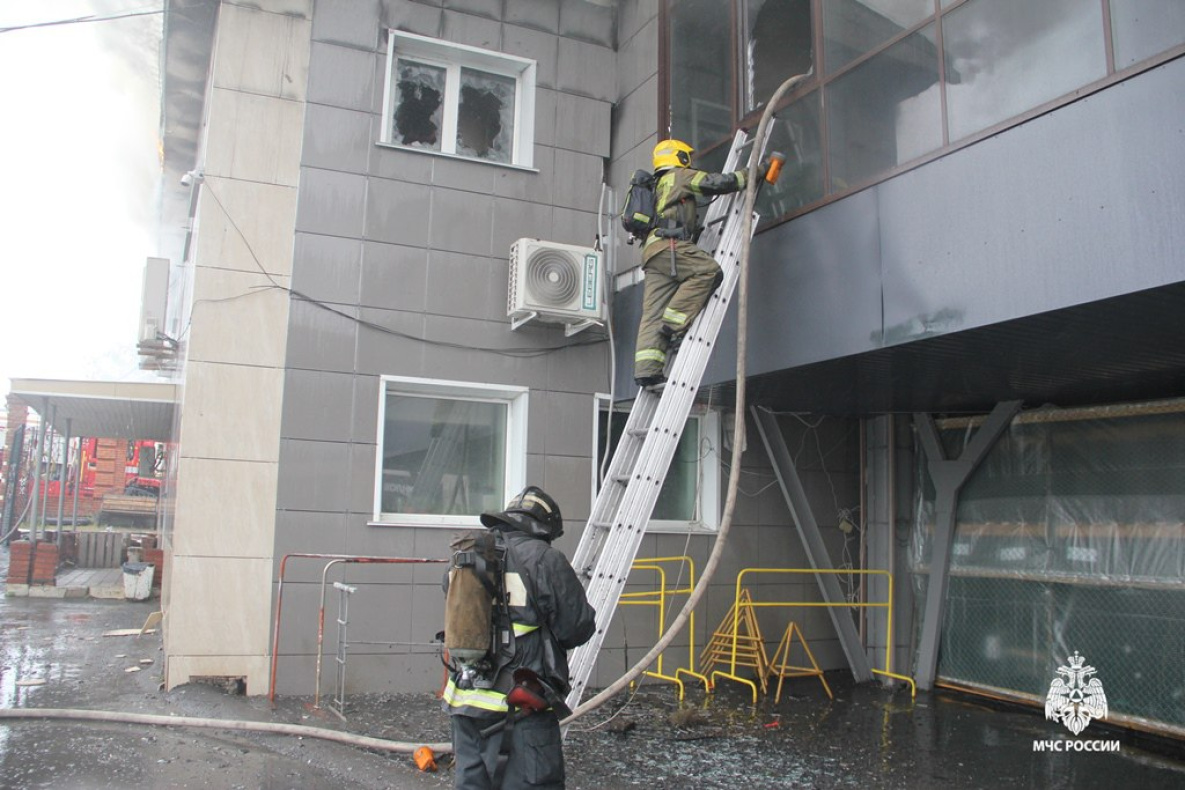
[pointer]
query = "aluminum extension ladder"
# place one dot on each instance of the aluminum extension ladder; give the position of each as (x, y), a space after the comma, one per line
(652, 432)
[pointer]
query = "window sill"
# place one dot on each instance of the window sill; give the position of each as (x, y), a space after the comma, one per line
(444, 522)
(679, 528)
(457, 157)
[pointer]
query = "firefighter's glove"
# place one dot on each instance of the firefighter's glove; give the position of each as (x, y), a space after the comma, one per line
(762, 171)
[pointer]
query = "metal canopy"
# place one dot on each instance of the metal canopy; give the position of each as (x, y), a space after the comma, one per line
(103, 409)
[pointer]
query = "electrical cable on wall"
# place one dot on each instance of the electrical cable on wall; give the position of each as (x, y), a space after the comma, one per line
(520, 352)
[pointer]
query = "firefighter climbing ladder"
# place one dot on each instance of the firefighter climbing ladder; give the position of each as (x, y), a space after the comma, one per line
(652, 431)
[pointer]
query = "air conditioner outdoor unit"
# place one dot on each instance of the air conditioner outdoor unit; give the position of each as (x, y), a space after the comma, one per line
(555, 283)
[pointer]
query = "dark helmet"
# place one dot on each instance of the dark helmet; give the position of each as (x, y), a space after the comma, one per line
(530, 511)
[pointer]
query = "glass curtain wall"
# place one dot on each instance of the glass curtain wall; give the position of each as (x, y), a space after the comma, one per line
(892, 83)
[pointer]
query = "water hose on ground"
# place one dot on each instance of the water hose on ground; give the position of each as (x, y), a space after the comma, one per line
(274, 728)
(701, 586)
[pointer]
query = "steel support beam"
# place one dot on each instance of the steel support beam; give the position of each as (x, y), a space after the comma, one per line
(948, 478)
(812, 541)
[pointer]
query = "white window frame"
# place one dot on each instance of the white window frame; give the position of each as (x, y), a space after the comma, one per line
(452, 57)
(708, 500)
(516, 400)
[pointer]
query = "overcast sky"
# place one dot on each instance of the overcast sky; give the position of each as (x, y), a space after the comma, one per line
(79, 174)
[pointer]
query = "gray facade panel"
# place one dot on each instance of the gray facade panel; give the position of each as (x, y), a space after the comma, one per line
(538, 14)
(563, 432)
(530, 186)
(465, 286)
(545, 103)
(539, 46)
(398, 163)
(393, 349)
(582, 124)
(461, 221)
(577, 227)
(394, 277)
(514, 220)
(341, 77)
(585, 21)
(463, 28)
(330, 202)
(398, 212)
(577, 180)
(490, 9)
(637, 59)
(327, 268)
(632, 15)
(478, 351)
(336, 139)
(304, 532)
(364, 426)
(412, 17)
(350, 22)
(460, 174)
(320, 340)
(635, 130)
(316, 476)
(587, 69)
(305, 412)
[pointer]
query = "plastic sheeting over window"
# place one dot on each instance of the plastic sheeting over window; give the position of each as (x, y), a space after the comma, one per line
(1070, 537)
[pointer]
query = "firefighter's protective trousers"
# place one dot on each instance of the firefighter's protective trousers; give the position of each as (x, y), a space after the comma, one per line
(680, 277)
(671, 300)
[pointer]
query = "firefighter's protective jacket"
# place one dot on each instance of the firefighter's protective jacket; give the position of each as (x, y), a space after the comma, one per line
(675, 191)
(549, 615)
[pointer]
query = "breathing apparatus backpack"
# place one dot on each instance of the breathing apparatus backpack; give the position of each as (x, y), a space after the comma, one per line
(477, 631)
(639, 212)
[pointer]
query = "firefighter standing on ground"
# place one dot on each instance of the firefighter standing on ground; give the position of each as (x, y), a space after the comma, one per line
(680, 277)
(549, 615)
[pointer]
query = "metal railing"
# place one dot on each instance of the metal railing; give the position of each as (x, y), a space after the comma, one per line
(888, 605)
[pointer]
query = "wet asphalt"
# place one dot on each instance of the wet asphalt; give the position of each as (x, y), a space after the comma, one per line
(55, 655)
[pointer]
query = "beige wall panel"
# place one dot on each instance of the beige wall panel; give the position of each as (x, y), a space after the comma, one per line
(221, 606)
(246, 226)
(232, 412)
(264, 53)
(230, 508)
(254, 138)
(239, 319)
(257, 670)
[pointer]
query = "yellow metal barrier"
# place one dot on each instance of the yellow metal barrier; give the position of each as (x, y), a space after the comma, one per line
(887, 671)
(659, 598)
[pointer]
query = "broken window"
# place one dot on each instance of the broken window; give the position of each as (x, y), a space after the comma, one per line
(853, 27)
(701, 82)
(779, 44)
(459, 100)
(485, 119)
(419, 104)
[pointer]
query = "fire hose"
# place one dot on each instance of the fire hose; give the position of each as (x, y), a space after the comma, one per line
(701, 586)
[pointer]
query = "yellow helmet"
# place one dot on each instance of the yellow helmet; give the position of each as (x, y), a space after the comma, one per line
(672, 153)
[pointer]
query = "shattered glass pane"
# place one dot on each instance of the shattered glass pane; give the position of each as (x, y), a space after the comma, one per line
(419, 105)
(795, 133)
(485, 117)
(886, 111)
(701, 81)
(778, 45)
(853, 27)
(994, 50)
